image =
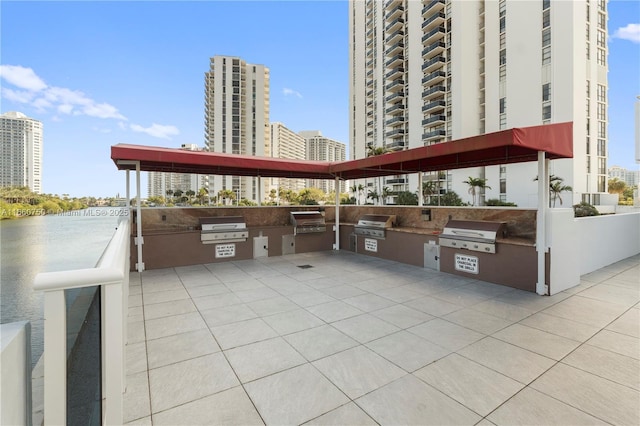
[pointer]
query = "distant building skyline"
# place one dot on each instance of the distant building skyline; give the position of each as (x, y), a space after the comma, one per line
(21, 158)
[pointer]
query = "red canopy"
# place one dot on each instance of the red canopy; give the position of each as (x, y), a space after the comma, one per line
(503, 147)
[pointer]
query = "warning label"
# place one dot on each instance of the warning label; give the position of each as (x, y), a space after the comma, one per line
(467, 264)
(371, 245)
(225, 250)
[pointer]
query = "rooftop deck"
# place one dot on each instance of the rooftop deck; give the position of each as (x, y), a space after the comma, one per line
(346, 339)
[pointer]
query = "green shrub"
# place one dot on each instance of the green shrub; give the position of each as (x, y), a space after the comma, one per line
(496, 202)
(585, 209)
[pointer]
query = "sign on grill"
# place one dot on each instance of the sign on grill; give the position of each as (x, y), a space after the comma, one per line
(466, 263)
(225, 250)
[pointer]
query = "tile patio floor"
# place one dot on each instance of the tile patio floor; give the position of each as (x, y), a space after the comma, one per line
(355, 340)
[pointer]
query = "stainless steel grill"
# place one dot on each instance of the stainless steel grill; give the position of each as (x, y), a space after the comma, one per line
(472, 235)
(223, 229)
(307, 222)
(374, 225)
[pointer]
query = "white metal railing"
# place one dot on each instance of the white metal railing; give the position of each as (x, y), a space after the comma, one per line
(112, 275)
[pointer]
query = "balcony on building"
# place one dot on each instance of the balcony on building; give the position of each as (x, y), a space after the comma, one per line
(395, 85)
(432, 21)
(397, 145)
(395, 36)
(395, 120)
(434, 120)
(370, 62)
(433, 106)
(370, 93)
(394, 10)
(370, 73)
(370, 83)
(370, 33)
(394, 97)
(433, 64)
(431, 7)
(395, 72)
(370, 123)
(395, 107)
(395, 133)
(434, 134)
(433, 49)
(433, 35)
(394, 25)
(370, 43)
(395, 181)
(394, 49)
(396, 60)
(434, 78)
(370, 103)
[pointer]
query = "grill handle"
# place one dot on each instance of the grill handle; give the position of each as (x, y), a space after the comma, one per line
(468, 233)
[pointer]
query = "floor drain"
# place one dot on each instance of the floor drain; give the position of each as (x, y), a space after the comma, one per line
(305, 266)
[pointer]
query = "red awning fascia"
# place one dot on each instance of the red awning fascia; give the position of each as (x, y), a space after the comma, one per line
(203, 162)
(503, 147)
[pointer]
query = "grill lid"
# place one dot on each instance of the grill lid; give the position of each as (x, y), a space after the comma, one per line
(474, 230)
(312, 218)
(222, 223)
(376, 221)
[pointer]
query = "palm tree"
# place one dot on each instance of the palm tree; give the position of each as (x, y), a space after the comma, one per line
(190, 193)
(555, 188)
(360, 191)
(373, 194)
(202, 194)
(429, 188)
(374, 151)
(386, 193)
(354, 189)
(475, 183)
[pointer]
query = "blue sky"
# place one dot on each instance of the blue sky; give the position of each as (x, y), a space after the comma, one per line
(101, 73)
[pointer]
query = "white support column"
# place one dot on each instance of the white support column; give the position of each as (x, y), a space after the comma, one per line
(337, 188)
(259, 191)
(420, 196)
(128, 193)
(55, 358)
(541, 226)
(113, 344)
(139, 238)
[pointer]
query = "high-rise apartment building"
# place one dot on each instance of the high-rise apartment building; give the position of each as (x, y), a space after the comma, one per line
(285, 143)
(21, 161)
(430, 71)
(237, 118)
(321, 148)
(160, 182)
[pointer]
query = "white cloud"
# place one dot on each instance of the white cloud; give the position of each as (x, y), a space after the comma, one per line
(290, 92)
(19, 96)
(631, 32)
(36, 93)
(157, 130)
(22, 77)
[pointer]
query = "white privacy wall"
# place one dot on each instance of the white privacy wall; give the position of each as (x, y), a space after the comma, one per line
(603, 240)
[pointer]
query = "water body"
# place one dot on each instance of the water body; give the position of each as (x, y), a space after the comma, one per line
(28, 246)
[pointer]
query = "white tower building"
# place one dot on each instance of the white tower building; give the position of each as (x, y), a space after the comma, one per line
(321, 148)
(21, 159)
(237, 118)
(285, 143)
(430, 71)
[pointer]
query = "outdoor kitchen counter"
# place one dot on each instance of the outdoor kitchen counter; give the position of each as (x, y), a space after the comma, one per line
(520, 241)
